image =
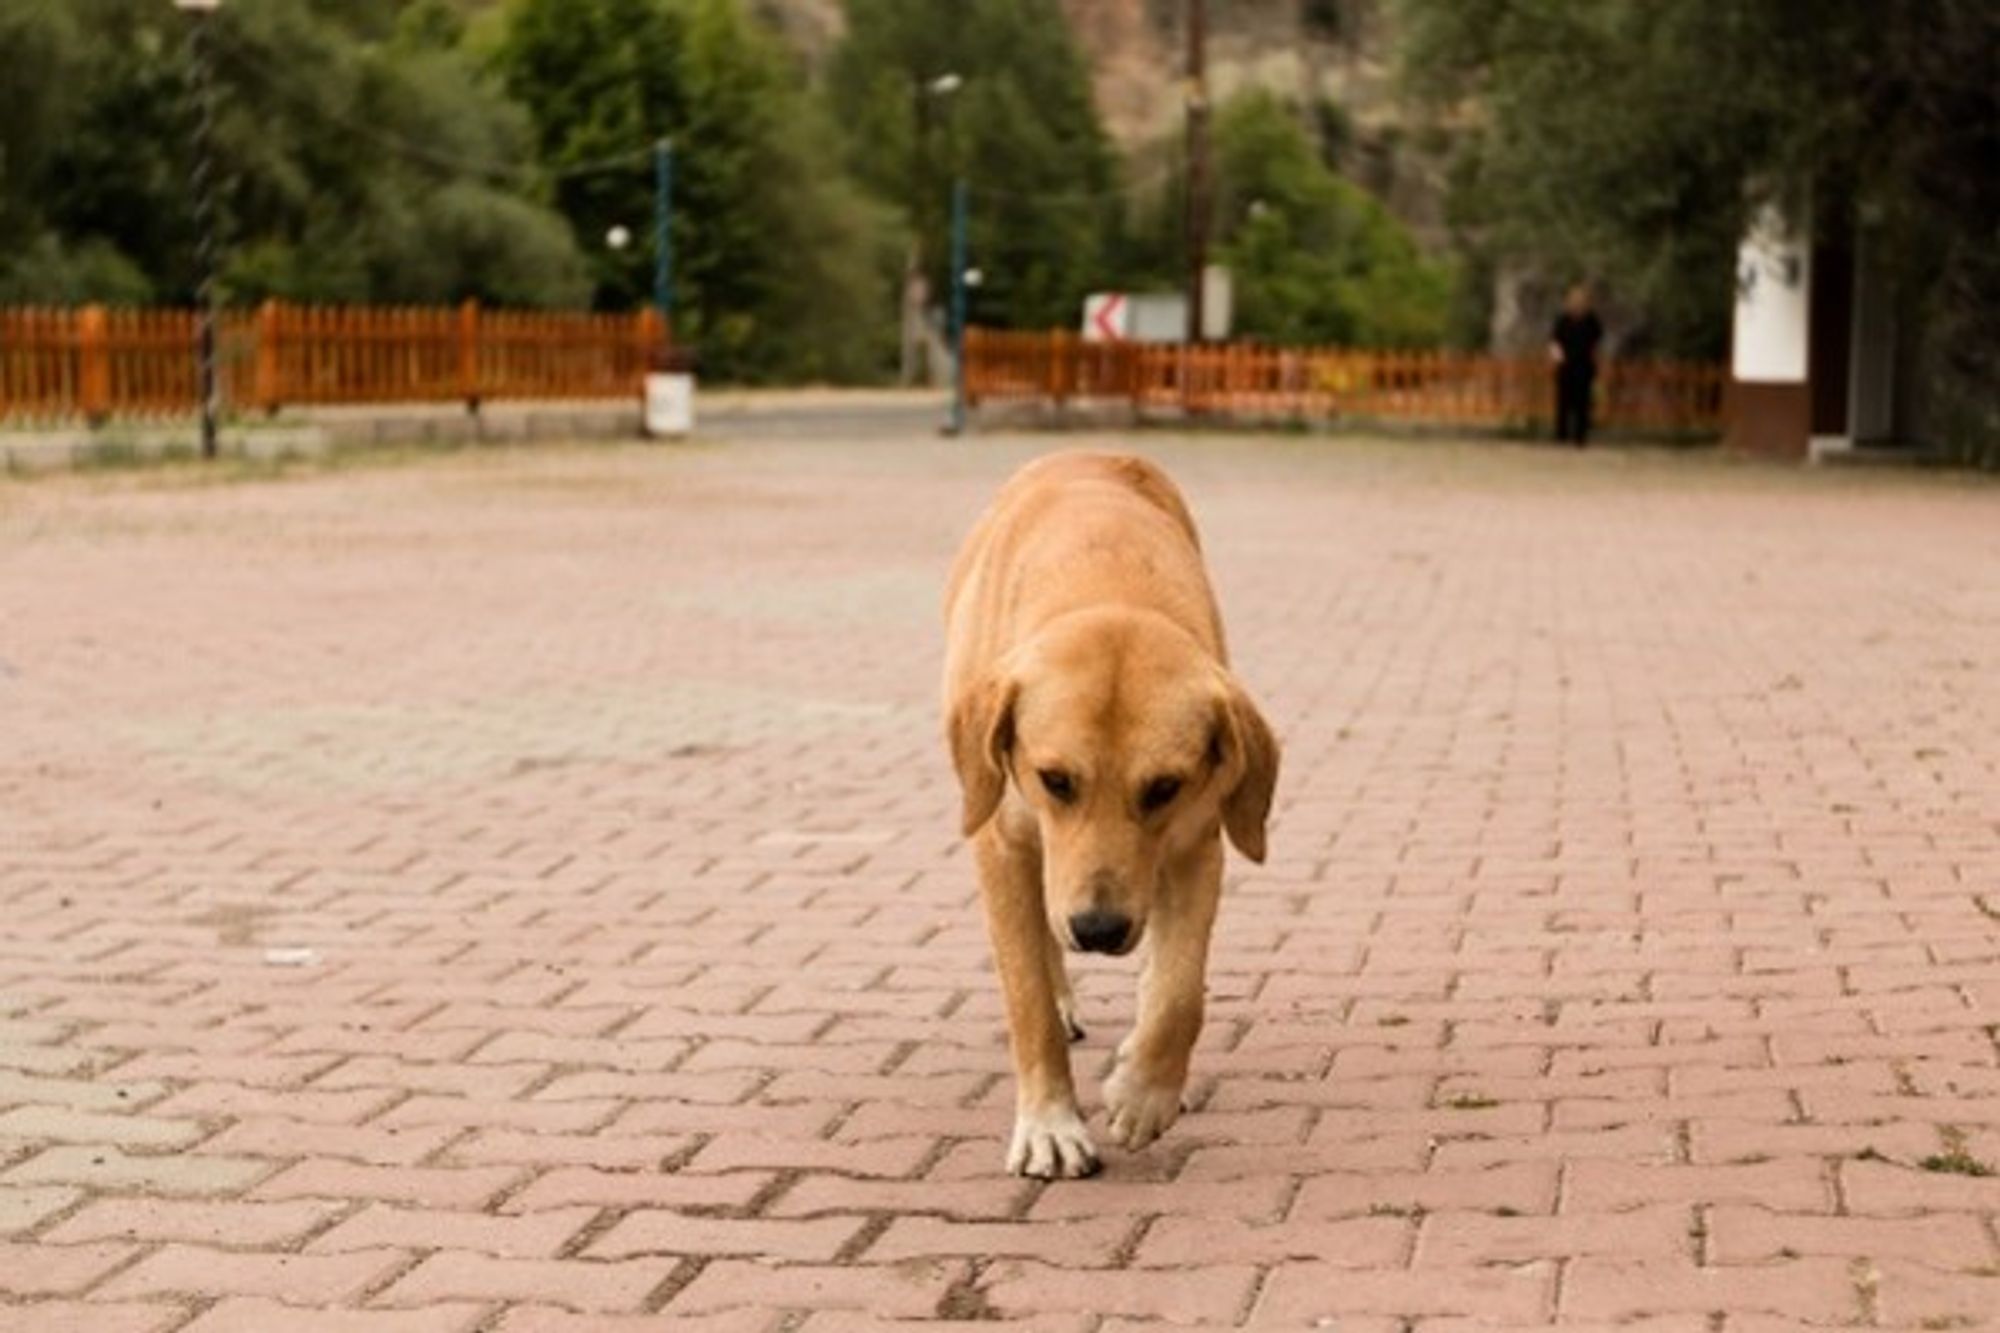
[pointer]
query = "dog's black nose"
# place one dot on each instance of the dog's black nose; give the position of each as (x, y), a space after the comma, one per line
(1098, 931)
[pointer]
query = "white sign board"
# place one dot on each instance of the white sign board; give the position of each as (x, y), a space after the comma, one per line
(1157, 317)
(1773, 280)
(1106, 317)
(669, 403)
(1218, 302)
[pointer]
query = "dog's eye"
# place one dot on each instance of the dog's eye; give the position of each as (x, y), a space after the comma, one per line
(1058, 784)
(1158, 793)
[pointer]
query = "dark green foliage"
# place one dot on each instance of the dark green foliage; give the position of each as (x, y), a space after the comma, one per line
(1630, 141)
(779, 266)
(1020, 126)
(350, 166)
(1315, 258)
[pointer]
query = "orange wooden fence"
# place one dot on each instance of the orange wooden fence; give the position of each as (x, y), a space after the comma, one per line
(95, 363)
(1329, 383)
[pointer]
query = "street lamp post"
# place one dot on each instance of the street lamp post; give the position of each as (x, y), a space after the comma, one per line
(201, 190)
(916, 298)
(663, 232)
(943, 86)
(958, 284)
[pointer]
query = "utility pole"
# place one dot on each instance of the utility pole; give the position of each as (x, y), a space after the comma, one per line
(915, 320)
(958, 227)
(1197, 163)
(663, 232)
(201, 189)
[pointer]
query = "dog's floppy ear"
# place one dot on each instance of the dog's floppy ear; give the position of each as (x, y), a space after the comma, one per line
(1249, 770)
(981, 730)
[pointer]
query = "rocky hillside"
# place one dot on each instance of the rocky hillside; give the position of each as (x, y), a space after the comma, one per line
(1332, 57)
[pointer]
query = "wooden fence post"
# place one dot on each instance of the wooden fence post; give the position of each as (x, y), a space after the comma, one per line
(468, 353)
(1063, 352)
(266, 391)
(93, 363)
(650, 331)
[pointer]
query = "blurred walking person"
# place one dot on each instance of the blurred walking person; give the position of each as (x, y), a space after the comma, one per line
(1573, 348)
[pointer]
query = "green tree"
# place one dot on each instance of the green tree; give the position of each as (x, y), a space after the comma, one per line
(1633, 141)
(1314, 257)
(778, 262)
(349, 166)
(1019, 125)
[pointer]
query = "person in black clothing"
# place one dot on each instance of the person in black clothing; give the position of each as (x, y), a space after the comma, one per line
(1573, 347)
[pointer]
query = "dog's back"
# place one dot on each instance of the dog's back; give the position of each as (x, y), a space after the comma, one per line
(1072, 531)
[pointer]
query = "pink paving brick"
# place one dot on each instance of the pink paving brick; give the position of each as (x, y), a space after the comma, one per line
(95, 1317)
(248, 1314)
(853, 1321)
(567, 1186)
(56, 1270)
(651, 1231)
(550, 1319)
(190, 1270)
(431, 1187)
(1955, 1241)
(1210, 1292)
(1248, 1200)
(1615, 960)
(1880, 1189)
(460, 1276)
(1080, 1244)
(1465, 1239)
(1361, 1242)
(1816, 1290)
(1310, 1293)
(539, 1235)
(969, 1199)
(911, 1290)
(1918, 1294)
(1796, 1184)
(199, 1222)
(1523, 1187)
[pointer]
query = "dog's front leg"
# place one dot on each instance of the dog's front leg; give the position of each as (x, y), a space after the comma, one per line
(1143, 1094)
(1049, 1140)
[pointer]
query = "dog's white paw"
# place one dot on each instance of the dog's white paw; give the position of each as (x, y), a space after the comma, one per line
(1139, 1111)
(1052, 1144)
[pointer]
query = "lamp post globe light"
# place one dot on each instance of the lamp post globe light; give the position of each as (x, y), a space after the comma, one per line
(201, 191)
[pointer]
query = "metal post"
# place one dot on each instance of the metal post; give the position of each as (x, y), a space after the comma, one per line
(663, 238)
(201, 188)
(958, 223)
(1197, 164)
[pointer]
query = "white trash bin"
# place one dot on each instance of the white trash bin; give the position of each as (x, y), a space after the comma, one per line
(669, 404)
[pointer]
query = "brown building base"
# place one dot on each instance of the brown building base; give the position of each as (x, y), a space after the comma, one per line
(1771, 419)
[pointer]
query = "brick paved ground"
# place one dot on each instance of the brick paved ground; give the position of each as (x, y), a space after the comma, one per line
(518, 892)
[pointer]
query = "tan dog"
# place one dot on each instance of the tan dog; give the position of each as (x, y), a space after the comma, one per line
(1102, 746)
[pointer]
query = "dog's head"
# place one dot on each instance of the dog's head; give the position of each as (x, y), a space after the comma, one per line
(1127, 744)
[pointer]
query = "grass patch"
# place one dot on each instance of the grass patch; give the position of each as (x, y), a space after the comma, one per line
(1957, 1162)
(110, 455)
(1394, 1210)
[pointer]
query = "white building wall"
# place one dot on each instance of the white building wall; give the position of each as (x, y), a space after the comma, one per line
(1773, 273)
